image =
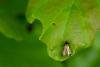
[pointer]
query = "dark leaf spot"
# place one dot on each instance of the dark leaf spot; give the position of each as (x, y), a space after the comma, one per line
(53, 24)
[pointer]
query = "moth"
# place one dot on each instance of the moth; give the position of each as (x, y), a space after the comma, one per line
(66, 50)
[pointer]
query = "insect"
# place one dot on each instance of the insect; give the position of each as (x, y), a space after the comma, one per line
(66, 50)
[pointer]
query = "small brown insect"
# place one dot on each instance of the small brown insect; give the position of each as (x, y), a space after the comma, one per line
(66, 50)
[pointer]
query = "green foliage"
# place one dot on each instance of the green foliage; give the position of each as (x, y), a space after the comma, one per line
(54, 22)
(32, 53)
(74, 21)
(12, 18)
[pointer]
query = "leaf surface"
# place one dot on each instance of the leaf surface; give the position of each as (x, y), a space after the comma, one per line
(74, 21)
(12, 19)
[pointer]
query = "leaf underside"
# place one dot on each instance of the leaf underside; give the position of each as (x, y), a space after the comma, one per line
(74, 21)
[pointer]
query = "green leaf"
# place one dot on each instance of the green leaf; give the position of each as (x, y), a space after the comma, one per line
(72, 21)
(12, 19)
